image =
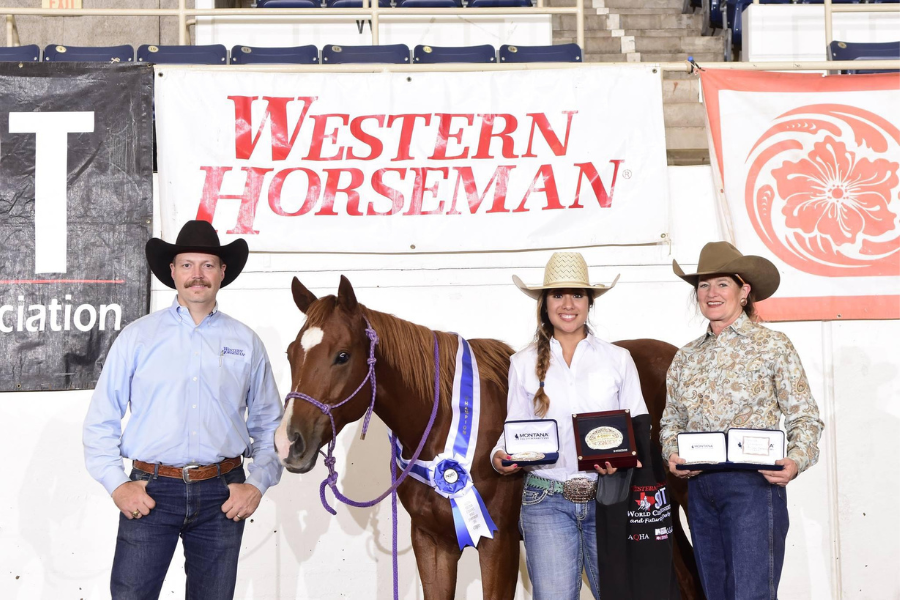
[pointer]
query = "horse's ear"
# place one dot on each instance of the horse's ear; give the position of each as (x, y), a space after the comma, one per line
(346, 296)
(302, 296)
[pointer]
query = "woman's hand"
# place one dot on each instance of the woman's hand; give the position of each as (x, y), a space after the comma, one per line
(674, 460)
(609, 470)
(499, 456)
(784, 476)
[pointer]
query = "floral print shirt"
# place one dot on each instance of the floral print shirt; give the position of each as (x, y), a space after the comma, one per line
(747, 376)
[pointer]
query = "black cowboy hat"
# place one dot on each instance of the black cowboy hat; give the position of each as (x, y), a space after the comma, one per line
(196, 236)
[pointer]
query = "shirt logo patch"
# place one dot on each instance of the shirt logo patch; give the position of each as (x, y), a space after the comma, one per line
(232, 351)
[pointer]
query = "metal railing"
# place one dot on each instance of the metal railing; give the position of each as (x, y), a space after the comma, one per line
(187, 16)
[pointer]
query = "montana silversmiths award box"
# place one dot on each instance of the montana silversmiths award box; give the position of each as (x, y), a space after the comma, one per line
(531, 443)
(736, 450)
(604, 437)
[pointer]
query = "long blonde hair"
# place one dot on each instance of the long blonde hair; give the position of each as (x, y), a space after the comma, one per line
(542, 338)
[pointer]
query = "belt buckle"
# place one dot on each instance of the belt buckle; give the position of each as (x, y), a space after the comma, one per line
(579, 490)
(185, 471)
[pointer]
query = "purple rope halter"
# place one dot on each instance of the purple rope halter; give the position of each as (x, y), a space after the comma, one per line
(331, 479)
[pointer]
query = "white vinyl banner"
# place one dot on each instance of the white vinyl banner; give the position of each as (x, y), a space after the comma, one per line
(414, 162)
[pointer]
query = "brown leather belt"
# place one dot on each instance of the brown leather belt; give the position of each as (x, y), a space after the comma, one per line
(190, 473)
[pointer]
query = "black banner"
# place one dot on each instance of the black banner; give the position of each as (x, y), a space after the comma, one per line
(76, 205)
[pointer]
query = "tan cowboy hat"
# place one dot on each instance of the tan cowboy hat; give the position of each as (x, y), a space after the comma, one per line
(722, 257)
(565, 270)
(196, 236)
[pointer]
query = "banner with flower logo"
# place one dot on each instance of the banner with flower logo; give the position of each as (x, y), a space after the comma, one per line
(808, 174)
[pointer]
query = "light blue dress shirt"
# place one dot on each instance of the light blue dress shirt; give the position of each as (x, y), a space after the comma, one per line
(197, 394)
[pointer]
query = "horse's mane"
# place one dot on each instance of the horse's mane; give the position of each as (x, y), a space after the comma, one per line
(409, 348)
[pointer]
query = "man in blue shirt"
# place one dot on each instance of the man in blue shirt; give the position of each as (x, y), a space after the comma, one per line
(201, 393)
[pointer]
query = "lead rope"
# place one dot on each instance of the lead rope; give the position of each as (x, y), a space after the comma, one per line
(331, 479)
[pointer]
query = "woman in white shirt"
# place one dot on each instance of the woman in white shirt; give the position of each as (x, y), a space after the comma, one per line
(565, 371)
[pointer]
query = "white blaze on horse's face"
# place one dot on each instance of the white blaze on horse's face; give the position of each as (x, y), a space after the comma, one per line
(282, 443)
(311, 338)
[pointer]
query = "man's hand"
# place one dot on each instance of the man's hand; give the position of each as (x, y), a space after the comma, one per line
(674, 459)
(132, 499)
(784, 476)
(499, 456)
(242, 502)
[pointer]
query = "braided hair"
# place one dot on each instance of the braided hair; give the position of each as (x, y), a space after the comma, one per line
(542, 338)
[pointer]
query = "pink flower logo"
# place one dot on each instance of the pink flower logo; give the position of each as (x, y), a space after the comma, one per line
(823, 191)
(832, 193)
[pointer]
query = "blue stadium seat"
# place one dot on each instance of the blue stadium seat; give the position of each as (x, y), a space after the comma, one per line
(429, 4)
(500, 4)
(715, 14)
(355, 3)
(31, 53)
(296, 55)
(215, 54)
(397, 54)
(865, 51)
(57, 53)
(523, 54)
(430, 55)
(287, 4)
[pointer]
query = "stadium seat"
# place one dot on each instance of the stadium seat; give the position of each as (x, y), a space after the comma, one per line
(429, 4)
(429, 55)
(715, 14)
(355, 3)
(30, 53)
(523, 54)
(296, 55)
(57, 53)
(865, 51)
(500, 4)
(397, 54)
(215, 54)
(287, 4)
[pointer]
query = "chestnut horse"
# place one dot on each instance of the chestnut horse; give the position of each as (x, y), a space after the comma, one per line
(329, 360)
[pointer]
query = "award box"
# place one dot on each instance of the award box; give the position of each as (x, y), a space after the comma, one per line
(604, 437)
(536, 437)
(736, 450)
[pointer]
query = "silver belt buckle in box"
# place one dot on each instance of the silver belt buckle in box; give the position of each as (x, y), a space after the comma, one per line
(580, 490)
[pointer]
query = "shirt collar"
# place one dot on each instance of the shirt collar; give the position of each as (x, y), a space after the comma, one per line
(590, 339)
(741, 326)
(183, 314)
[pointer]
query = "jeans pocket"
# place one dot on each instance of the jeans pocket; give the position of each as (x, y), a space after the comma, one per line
(530, 497)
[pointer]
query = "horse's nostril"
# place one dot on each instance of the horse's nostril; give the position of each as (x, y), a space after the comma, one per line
(294, 436)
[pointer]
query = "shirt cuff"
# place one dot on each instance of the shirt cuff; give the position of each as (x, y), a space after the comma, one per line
(799, 457)
(113, 480)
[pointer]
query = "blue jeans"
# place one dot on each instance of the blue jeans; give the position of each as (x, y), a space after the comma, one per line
(560, 542)
(739, 522)
(193, 512)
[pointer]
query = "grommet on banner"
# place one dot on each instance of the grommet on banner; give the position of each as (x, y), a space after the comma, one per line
(694, 65)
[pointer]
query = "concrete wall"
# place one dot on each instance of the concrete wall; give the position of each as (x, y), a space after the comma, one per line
(58, 526)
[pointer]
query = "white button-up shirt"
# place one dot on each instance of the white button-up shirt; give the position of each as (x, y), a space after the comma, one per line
(601, 377)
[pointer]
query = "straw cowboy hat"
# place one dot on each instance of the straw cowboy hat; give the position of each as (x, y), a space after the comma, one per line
(200, 237)
(723, 258)
(565, 270)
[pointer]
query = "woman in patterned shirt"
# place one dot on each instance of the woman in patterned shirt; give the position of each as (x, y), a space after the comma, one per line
(738, 374)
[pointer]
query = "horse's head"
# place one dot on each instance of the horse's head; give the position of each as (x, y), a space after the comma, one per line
(328, 362)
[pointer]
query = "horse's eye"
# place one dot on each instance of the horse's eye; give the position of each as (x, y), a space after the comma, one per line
(341, 358)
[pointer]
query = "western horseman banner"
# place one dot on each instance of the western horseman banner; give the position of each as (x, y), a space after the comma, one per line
(414, 162)
(808, 172)
(75, 213)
